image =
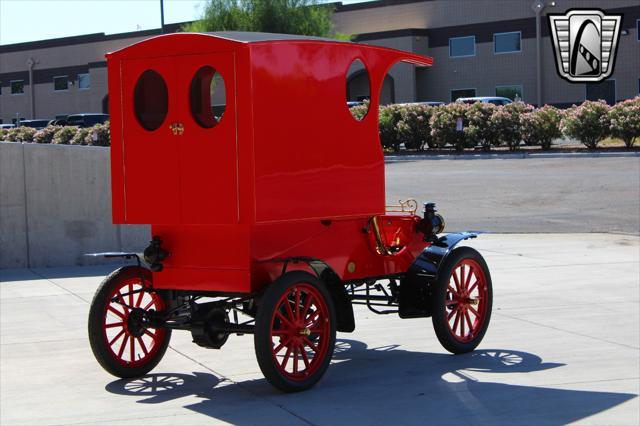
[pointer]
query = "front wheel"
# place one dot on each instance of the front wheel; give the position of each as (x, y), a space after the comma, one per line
(121, 338)
(295, 331)
(461, 301)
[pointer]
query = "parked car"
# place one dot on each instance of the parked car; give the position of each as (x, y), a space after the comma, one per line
(37, 123)
(87, 120)
(496, 100)
(351, 104)
(426, 103)
(58, 122)
(7, 126)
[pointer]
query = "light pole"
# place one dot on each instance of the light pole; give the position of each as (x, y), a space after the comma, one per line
(161, 16)
(538, 7)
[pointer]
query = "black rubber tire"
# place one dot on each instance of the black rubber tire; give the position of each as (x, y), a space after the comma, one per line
(438, 296)
(95, 326)
(262, 336)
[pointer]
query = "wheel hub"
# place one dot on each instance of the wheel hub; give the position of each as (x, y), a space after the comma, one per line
(135, 323)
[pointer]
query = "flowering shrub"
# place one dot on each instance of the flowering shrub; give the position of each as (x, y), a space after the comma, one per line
(541, 126)
(443, 126)
(481, 130)
(360, 111)
(625, 121)
(506, 123)
(589, 123)
(413, 129)
(64, 135)
(80, 137)
(99, 135)
(390, 115)
(46, 135)
(19, 134)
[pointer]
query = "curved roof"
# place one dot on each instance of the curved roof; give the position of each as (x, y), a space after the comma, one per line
(254, 37)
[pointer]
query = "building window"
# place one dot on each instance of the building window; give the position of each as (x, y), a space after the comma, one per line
(605, 90)
(460, 47)
(512, 92)
(84, 81)
(506, 42)
(61, 83)
(462, 93)
(17, 87)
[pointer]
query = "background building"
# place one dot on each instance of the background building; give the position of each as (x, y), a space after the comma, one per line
(480, 48)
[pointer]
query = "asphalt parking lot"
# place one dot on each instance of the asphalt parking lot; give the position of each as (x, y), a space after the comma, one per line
(568, 194)
(563, 346)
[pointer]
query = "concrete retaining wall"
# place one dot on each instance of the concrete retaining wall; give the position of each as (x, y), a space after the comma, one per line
(55, 205)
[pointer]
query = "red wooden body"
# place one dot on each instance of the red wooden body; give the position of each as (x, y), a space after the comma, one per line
(287, 172)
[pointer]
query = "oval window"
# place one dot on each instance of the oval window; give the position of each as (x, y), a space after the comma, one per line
(207, 97)
(358, 89)
(151, 100)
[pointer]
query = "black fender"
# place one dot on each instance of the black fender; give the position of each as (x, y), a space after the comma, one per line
(345, 319)
(415, 285)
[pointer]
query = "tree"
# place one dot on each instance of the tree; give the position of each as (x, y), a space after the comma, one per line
(302, 17)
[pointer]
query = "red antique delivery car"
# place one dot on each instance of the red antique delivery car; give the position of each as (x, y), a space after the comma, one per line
(266, 200)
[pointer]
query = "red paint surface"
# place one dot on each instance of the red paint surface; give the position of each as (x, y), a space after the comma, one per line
(286, 155)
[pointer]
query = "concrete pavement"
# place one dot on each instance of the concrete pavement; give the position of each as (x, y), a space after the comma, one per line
(563, 346)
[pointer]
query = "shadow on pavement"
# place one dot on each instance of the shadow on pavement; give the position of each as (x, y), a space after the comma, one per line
(388, 385)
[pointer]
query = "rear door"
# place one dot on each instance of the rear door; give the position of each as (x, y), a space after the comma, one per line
(150, 141)
(208, 149)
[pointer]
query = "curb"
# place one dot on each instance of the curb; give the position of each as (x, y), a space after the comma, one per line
(521, 155)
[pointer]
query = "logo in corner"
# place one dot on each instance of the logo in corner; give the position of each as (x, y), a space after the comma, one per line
(585, 43)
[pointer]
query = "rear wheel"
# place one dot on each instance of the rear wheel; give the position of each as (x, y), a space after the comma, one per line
(295, 331)
(461, 301)
(120, 335)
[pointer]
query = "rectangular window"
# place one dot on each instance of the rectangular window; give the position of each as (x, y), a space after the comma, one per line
(84, 81)
(462, 93)
(506, 42)
(17, 87)
(512, 92)
(460, 47)
(61, 83)
(605, 90)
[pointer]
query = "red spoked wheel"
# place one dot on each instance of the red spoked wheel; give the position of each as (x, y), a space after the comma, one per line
(462, 299)
(295, 331)
(121, 336)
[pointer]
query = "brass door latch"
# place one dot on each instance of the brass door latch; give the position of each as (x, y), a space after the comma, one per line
(177, 129)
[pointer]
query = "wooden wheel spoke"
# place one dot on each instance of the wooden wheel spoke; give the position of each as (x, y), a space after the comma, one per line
(297, 312)
(451, 314)
(462, 325)
(462, 279)
(112, 341)
(456, 320)
(307, 305)
(305, 358)
(468, 319)
(115, 324)
(148, 305)
(124, 343)
(310, 344)
(287, 305)
(283, 318)
(132, 346)
(316, 331)
(295, 358)
(150, 334)
(140, 297)
(470, 274)
(280, 332)
(473, 310)
(455, 279)
(282, 344)
(116, 312)
(283, 364)
(473, 287)
(450, 302)
(143, 346)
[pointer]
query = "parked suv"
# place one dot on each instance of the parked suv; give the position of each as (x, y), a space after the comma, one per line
(86, 120)
(35, 123)
(486, 99)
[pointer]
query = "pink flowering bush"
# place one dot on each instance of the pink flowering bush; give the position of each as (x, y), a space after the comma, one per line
(589, 123)
(64, 135)
(541, 126)
(360, 111)
(506, 123)
(99, 135)
(624, 120)
(389, 118)
(45, 135)
(19, 134)
(443, 126)
(413, 129)
(481, 130)
(80, 137)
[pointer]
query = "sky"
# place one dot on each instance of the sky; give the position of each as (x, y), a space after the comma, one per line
(29, 20)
